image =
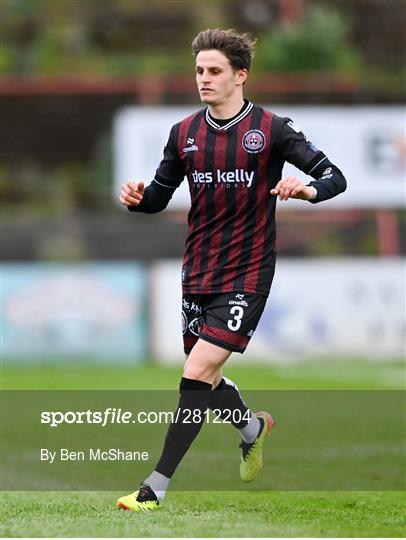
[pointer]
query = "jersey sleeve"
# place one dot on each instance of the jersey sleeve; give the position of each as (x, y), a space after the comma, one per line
(169, 175)
(295, 148)
(171, 172)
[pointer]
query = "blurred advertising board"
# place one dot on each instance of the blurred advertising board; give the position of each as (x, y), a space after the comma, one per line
(317, 308)
(87, 311)
(367, 143)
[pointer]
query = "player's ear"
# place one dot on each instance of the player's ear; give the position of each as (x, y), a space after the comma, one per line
(241, 76)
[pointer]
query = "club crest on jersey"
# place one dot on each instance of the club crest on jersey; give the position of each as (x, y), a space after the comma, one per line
(253, 141)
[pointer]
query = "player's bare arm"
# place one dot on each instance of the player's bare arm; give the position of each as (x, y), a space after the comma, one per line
(131, 193)
(293, 188)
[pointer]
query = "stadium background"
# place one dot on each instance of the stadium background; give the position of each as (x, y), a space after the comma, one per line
(89, 291)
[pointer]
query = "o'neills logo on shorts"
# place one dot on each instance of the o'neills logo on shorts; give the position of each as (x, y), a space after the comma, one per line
(227, 177)
(238, 303)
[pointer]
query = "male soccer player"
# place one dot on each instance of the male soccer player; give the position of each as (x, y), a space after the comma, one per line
(232, 153)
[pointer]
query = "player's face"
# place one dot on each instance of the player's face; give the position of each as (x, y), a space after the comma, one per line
(217, 82)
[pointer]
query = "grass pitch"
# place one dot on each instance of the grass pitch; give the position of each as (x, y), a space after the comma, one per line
(206, 514)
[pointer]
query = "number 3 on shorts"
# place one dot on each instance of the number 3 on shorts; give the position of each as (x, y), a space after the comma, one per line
(235, 323)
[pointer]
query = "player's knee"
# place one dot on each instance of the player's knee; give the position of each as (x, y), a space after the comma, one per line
(199, 373)
(206, 370)
(205, 361)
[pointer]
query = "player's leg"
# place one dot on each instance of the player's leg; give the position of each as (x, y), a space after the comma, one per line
(227, 403)
(205, 361)
(230, 321)
(226, 396)
(201, 370)
(202, 373)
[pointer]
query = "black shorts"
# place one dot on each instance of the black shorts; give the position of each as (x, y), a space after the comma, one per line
(225, 319)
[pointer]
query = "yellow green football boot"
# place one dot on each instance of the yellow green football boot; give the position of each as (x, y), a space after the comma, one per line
(139, 501)
(251, 453)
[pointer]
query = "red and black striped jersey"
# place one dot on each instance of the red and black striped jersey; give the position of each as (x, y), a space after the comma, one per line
(231, 169)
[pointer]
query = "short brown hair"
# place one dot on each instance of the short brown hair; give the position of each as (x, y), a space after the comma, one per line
(238, 48)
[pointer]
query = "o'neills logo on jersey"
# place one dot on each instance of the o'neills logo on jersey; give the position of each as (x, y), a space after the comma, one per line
(253, 141)
(226, 177)
(191, 146)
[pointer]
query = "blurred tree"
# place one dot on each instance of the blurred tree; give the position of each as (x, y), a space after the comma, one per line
(320, 43)
(133, 37)
(93, 36)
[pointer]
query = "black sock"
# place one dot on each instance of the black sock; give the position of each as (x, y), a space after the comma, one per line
(228, 404)
(193, 402)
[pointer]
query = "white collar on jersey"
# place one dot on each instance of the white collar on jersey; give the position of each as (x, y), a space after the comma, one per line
(232, 122)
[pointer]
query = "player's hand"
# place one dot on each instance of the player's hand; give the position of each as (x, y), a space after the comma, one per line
(131, 193)
(293, 188)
